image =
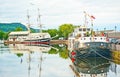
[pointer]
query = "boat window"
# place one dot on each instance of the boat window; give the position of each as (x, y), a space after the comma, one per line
(90, 38)
(95, 38)
(80, 29)
(101, 38)
(88, 29)
(84, 38)
(84, 29)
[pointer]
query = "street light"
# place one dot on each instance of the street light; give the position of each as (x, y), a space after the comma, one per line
(115, 31)
(105, 31)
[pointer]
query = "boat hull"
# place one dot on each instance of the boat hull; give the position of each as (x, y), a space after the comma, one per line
(37, 41)
(93, 49)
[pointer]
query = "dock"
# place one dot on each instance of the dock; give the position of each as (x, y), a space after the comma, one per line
(59, 42)
(51, 42)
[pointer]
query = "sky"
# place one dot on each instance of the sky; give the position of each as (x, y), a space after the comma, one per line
(57, 12)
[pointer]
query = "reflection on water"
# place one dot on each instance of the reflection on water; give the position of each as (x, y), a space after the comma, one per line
(91, 67)
(53, 61)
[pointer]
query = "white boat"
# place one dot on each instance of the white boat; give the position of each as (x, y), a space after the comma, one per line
(26, 37)
(83, 34)
(88, 43)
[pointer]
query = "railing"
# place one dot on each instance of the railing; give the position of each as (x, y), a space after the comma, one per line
(93, 39)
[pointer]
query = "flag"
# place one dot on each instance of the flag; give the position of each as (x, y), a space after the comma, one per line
(92, 17)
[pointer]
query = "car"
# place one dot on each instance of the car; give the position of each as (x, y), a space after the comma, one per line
(118, 41)
(113, 40)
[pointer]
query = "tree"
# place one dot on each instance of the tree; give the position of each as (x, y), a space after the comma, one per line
(18, 29)
(1, 35)
(52, 32)
(19, 54)
(65, 30)
(5, 36)
(63, 53)
(53, 51)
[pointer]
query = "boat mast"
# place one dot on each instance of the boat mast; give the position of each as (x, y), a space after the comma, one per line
(40, 65)
(39, 20)
(85, 21)
(28, 19)
(91, 19)
(29, 63)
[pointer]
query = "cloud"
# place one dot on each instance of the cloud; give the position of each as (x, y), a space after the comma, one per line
(56, 12)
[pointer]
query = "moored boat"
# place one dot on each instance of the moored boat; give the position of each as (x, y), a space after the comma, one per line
(26, 37)
(88, 43)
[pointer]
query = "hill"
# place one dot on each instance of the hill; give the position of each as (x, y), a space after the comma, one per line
(7, 27)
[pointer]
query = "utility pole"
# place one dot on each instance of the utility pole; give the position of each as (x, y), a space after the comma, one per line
(105, 31)
(115, 31)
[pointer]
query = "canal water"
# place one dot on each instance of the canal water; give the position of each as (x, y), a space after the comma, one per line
(51, 61)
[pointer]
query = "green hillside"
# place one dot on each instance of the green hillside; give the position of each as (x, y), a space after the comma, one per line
(5, 28)
(8, 27)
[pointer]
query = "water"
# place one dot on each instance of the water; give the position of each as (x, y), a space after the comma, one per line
(49, 61)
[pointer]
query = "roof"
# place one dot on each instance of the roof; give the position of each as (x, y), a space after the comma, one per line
(34, 34)
(19, 33)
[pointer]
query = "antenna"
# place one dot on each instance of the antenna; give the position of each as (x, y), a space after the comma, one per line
(28, 19)
(39, 20)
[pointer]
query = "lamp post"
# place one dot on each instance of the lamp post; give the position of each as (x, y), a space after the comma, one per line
(105, 31)
(115, 31)
(97, 32)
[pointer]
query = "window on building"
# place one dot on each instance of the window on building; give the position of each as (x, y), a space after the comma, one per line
(90, 38)
(88, 29)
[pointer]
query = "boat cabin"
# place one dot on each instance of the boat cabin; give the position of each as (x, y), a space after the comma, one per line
(18, 36)
(81, 31)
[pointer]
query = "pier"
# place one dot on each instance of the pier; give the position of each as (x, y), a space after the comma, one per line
(59, 42)
(51, 42)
